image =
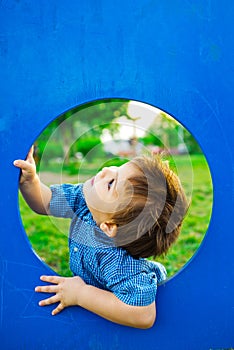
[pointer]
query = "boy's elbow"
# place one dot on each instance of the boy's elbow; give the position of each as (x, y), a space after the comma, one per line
(148, 318)
(148, 322)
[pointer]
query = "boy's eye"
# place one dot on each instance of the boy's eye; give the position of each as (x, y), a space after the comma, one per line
(110, 184)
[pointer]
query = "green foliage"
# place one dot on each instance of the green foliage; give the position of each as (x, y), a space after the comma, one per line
(87, 143)
(166, 132)
(98, 113)
(115, 162)
(191, 143)
(84, 123)
(48, 151)
(151, 139)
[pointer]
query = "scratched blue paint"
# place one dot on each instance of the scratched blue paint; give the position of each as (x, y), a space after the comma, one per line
(176, 55)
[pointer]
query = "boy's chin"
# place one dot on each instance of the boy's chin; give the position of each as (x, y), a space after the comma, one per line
(88, 184)
(86, 187)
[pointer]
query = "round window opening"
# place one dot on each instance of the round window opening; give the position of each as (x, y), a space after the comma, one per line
(107, 134)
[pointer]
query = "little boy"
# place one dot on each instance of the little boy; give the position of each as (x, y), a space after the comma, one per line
(119, 217)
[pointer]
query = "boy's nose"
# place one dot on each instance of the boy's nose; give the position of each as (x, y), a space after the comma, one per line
(108, 170)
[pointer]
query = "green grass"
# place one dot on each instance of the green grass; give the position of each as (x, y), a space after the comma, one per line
(49, 236)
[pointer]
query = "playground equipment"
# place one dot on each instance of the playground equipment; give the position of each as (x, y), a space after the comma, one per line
(175, 55)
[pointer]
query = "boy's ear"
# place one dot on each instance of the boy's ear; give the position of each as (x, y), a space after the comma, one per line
(109, 228)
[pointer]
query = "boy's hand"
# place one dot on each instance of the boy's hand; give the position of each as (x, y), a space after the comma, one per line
(66, 289)
(74, 291)
(28, 167)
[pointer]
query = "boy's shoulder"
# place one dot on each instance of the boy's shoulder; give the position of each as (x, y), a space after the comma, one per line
(115, 260)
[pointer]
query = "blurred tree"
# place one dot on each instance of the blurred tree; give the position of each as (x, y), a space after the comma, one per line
(83, 121)
(191, 143)
(163, 131)
(167, 133)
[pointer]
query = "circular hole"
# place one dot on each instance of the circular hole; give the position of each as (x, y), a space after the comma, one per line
(76, 145)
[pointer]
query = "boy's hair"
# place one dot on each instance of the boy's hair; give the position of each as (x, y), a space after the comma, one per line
(152, 220)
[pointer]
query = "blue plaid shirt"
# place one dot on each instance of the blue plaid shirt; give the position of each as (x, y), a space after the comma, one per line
(94, 257)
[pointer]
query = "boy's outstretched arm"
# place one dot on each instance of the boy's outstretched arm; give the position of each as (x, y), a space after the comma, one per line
(74, 291)
(36, 194)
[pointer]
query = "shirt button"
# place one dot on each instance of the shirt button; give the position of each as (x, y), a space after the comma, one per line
(75, 249)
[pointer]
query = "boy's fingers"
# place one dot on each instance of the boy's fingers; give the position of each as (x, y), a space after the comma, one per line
(22, 164)
(31, 151)
(18, 163)
(58, 309)
(52, 300)
(51, 279)
(47, 289)
(30, 154)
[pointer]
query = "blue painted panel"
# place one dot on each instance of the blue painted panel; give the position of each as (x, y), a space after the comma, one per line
(175, 55)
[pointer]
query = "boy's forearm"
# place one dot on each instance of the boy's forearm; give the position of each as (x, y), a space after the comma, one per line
(70, 291)
(108, 306)
(37, 195)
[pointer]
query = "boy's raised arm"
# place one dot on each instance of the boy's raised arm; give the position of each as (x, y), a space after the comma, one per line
(36, 194)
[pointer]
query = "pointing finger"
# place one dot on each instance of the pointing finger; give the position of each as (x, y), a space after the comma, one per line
(30, 155)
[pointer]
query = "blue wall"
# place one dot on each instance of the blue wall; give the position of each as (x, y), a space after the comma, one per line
(176, 55)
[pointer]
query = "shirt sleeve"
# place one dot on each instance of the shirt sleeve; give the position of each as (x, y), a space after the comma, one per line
(65, 200)
(132, 281)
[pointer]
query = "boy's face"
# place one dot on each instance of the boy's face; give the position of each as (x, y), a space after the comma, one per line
(105, 191)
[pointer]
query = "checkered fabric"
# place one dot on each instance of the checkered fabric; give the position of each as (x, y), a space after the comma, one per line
(94, 257)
